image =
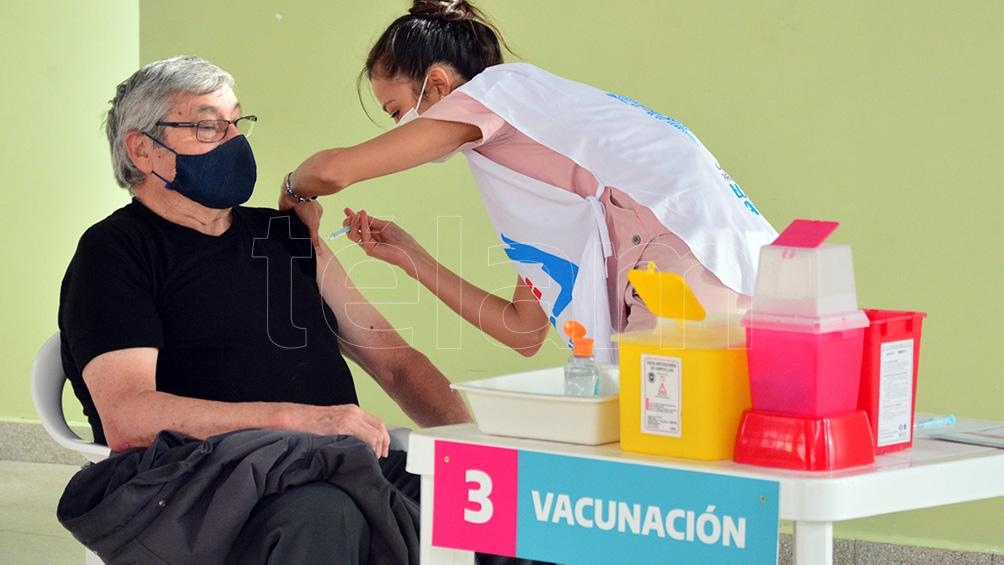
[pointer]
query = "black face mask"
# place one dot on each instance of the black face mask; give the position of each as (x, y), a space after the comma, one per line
(222, 178)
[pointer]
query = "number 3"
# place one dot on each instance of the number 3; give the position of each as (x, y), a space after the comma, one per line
(479, 496)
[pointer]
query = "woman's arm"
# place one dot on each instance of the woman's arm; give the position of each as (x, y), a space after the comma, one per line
(519, 323)
(410, 145)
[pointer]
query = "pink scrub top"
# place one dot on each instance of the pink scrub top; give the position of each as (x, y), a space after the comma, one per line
(636, 235)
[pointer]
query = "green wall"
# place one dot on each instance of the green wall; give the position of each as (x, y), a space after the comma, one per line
(884, 116)
(60, 62)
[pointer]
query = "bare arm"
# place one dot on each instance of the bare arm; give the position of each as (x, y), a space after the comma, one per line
(519, 323)
(410, 145)
(122, 384)
(368, 339)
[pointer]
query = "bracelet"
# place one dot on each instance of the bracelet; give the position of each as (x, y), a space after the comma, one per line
(289, 190)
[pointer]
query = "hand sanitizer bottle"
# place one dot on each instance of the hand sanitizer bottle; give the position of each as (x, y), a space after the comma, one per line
(582, 375)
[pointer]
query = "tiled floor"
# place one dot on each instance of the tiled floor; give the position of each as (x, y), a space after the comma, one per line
(29, 532)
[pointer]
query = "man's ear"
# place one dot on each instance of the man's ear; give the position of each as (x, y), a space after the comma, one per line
(442, 80)
(139, 148)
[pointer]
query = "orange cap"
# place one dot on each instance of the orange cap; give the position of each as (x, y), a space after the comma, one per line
(581, 345)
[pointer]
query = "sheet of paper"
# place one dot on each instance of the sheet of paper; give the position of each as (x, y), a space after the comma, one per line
(989, 437)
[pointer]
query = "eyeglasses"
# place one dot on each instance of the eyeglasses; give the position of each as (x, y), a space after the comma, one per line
(211, 131)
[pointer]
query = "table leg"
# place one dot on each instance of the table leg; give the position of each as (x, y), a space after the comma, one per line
(428, 553)
(813, 543)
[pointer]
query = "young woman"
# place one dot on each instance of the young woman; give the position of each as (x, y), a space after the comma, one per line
(582, 185)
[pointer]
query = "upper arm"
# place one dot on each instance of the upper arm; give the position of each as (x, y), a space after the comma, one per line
(107, 299)
(460, 107)
(364, 334)
(413, 144)
(113, 378)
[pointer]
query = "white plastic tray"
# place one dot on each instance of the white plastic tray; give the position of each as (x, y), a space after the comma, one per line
(532, 405)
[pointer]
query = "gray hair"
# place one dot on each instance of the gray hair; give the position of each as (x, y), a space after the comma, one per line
(146, 97)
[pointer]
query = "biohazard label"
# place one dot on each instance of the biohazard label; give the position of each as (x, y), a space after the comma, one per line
(660, 399)
(895, 393)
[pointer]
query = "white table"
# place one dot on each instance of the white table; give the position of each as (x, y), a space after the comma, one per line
(931, 473)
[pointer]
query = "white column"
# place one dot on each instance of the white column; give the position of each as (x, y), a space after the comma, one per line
(813, 543)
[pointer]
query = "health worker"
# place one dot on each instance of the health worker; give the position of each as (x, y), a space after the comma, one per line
(582, 185)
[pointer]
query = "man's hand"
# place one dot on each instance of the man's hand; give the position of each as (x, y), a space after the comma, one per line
(345, 419)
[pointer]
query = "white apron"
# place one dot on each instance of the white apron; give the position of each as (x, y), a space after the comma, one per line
(654, 159)
(558, 243)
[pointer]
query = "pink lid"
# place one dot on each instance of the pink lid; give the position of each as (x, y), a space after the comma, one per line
(805, 233)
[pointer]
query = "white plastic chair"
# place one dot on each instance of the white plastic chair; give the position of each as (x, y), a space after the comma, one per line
(47, 381)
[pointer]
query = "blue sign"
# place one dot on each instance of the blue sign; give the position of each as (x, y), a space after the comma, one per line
(580, 511)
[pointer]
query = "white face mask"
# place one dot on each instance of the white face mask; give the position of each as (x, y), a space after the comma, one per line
(410, 115)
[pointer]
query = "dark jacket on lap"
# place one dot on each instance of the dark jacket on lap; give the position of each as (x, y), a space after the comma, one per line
(184, 500)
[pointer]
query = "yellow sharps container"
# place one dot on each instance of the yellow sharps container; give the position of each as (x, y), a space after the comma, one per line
(684, 384)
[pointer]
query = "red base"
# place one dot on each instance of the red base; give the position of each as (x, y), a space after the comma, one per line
(770, 439)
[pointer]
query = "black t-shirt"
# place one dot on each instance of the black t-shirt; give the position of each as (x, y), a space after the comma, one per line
(236, 317)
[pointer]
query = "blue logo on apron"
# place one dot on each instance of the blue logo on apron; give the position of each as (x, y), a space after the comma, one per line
(562, 271)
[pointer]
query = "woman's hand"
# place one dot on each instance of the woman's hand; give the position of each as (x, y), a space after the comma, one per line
(386, 241)
(519, 323)
(310, 214)
(286, 202)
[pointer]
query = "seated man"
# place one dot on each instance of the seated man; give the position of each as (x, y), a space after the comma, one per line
(185, 311)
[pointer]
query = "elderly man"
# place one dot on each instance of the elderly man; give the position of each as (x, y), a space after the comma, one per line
(185, 311)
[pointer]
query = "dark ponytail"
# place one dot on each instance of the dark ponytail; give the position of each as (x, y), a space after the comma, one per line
(436, 31)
